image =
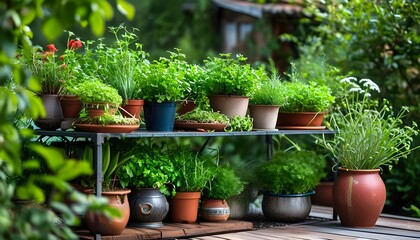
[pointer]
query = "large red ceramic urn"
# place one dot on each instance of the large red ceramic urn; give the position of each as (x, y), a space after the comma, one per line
(359, 197)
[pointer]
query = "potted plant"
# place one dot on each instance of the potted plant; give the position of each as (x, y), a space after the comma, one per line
(194, 173)
(148, 171)
(265, 102)
(224, 184)
(46, 68)
(303, 105)
(288, 180)
(107, 123)
(202, 120)
(232, 80)
(368, 138)
(98, 222)
(118, 68)
(98, 97)
(161, 89)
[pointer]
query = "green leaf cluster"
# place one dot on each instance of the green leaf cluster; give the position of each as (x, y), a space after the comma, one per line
(239, 124)
(292, 172)
(224, 184)
(301, 97)
(149, 166)
(268, 93)
(164, 80)
(120, 65)
(231, 76)
(195, 169)
(203, 116)
(95, 91)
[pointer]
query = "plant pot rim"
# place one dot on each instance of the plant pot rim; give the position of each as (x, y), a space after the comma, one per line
(118, 191)
(227, 95)
(318, 113)
(343, 169)
(312, 192)
(263, 105)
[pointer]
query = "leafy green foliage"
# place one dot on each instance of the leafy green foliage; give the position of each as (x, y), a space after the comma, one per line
(203, 116)
(239, 124)
(108, 119)
(292, 172)
(45, 67)
(368, 136)
(301, 97)
(224, 184)
(149, 167)
(268, 93)
(94, 91)
(119, 63)
(230, 76)
(194, 169)
(110, 166)
(164, 80)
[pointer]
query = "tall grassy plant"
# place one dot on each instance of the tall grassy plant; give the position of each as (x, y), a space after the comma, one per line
(368, 135)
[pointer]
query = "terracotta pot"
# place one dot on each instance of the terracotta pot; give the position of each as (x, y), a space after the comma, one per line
(101, 224)
(184, 207)
(148, 208)
(323, 194)
(306, 119)
(229, 105)
(70, 105)
(185, 106)
(265, 116)
(53, 113)
(98, 109)
(287, 207)
(214, 210)
(132, 108)
(359, 197)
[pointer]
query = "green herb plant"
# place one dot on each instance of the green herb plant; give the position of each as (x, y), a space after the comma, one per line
(109, 119)
(149, 166)
(292, 172)
(118, 63)
(224, 184)
(302, 97)
(268, 90)
(194, 169)
(368, 135)
(164, 80)
(203, 116)
(239, 124)
(94, 92)
(225, 75)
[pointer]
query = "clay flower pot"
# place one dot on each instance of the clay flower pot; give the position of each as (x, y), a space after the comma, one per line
(214, 210)
(132, 108)
(184, 207)
(359, 197)
(229, 105)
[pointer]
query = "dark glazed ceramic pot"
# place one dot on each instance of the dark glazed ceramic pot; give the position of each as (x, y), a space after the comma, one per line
(148, 208)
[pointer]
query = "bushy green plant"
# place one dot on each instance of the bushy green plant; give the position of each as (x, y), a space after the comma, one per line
(268, 93)
(292, 172)
(109, 119)
(94, 91)
(368, 135)
(150, 166)
(230, 76)
(194, 169)
(164, 81)
(301, 97)
(224, 184)
(239, 124)
(203, 116)
(118, 63)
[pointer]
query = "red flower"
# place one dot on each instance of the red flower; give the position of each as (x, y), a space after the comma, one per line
(75, 44)
(51, 48)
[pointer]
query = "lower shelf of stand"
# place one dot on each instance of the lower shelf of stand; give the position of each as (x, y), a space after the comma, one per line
(174, 230)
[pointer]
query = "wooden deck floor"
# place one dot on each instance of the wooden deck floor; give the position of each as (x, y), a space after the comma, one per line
(319, 226)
